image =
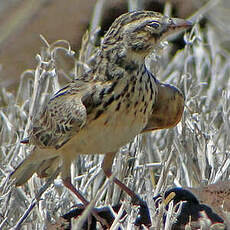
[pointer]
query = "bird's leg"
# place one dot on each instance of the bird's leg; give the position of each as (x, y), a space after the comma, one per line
(106, 166)
(66, 178)
(136, 200)
(67, 182)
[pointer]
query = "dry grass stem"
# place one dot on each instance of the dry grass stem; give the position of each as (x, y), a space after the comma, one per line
(193, 154)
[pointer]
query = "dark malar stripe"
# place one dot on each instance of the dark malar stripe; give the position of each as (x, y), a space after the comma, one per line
(101, 94)
(98, 114)
(111, 99)
(118, 106)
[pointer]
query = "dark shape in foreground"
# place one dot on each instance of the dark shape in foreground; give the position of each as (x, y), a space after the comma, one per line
(191, 210)
(106, 214)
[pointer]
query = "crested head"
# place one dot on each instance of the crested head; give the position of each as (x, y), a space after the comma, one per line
(137, 33)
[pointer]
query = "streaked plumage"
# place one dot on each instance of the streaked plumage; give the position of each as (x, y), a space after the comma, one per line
(108, 106)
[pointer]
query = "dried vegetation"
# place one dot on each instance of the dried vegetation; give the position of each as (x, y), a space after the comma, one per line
(194, 153)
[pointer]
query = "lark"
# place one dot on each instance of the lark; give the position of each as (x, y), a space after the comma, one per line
(106, 107)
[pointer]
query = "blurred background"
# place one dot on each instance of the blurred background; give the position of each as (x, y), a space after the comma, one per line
(22, 21)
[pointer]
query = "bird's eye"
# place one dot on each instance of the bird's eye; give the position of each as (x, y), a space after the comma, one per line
(170, 21)
(154, 24)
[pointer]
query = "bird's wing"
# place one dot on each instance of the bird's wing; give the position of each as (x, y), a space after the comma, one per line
(64, 116)
(168, 109)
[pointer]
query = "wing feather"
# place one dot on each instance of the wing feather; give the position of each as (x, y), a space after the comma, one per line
(63, 117)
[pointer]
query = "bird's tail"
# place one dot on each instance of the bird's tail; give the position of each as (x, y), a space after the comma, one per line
(24, 171)
(43, 167)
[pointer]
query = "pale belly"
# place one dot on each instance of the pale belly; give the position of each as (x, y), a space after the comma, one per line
(106, 134)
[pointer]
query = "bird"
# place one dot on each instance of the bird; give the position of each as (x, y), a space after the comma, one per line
(191, 209)
(107, 106)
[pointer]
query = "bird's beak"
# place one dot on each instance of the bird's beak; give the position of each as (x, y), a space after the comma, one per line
(178, 24)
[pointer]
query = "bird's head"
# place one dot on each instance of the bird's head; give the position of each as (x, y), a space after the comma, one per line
(138, 33)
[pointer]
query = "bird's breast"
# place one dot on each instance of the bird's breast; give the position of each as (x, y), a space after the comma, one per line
(120, 117)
